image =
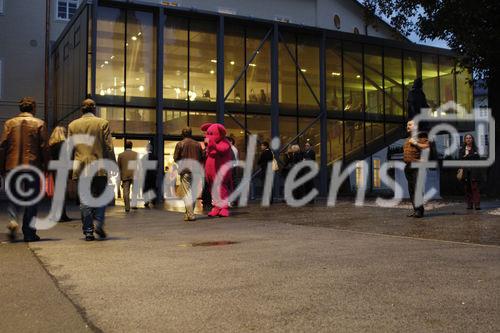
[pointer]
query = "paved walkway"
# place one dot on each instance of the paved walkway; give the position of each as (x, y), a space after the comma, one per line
(310, 269)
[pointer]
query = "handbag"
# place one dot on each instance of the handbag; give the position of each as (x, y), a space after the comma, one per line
(49, 185)
(275, 167)
(460, 174)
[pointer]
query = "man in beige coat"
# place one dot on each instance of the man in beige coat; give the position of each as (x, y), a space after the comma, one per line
(24, 143)
(127, 173)
(84, 155)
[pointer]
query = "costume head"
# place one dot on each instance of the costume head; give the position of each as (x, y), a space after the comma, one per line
(214, 132)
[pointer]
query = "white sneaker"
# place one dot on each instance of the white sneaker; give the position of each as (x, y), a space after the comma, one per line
(12, 227)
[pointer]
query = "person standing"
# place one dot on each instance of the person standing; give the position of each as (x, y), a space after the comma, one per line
(309, 155)
(56, 142)
(416, 99)
(187, 149)
(127, 173)
(412, 152)
(24, 142)
(85, 154)
(471, 176)
(266, 156)
(150, 178)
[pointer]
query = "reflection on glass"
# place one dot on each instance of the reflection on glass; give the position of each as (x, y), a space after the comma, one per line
(393, 82)
(197, 118)
(308, 60)
(110, 58)
(335, 140)
(430, 79)
(259, 71)
(464, 89)
(202, 61)
(140, 121)
(374, 131)
(234, 63)
(141, 55)
(287, 73)
(353, 78)
(174, 121)
(446, 80)
(175, 58)
(333, 76)
(114, 116)
(353, 139)
(374, 97)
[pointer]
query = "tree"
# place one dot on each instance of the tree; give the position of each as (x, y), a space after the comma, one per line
(472, 31)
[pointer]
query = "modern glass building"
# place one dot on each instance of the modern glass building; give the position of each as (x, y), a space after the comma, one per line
(154, 70)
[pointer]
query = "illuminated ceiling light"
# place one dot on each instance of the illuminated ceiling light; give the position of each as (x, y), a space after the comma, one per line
(358, 76)
(122, 82)
(106, 62)
(139, 33)
(102, 92)
(141, 88)
(253, 65)
(122, 89)
(126, 44)
(212, 71)
(335, 74)
(214, 61)
(134, 38)
(112, 57)
(108, 91)
(137, 79)
(232, 63)
(303, 70)
(102, 65)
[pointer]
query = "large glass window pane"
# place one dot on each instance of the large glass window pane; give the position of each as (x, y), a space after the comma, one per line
(334, 76)
(114, 116)
(141, 55)
(353, 136)
(308, 60)
(198, 118)
(311, 135)
(174, 121)
(260, 125)
(110, 52)
(374, 97)
(374, 131)
(202, 61)
(335, 140)
(410, 67)
(393, 82)
(234, 63)
(259, 71)
(430, 79)
(287, 73)
(446, 79)
(141, 121)
(288, 129)
(175, 59)
(464, 89)
(237, 132)
(353, 78)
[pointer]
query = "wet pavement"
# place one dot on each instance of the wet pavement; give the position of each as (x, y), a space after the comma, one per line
(273, 269)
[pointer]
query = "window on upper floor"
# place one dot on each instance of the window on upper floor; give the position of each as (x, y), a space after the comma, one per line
(66, 9)
(1, 6)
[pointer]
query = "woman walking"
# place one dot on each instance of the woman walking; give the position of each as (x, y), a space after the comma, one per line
(471, 176)
(56, 142)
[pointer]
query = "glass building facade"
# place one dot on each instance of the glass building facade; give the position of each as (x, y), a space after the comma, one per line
(154, 70)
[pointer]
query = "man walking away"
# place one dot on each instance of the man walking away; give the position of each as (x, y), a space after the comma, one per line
(126, 173)
(24, 142)
(187, 149)
(412, 151)
(85, 154)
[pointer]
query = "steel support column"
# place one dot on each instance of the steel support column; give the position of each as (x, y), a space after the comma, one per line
(93, 42)
(275, 131)
(159, 142)
(220, 70)
(323, 173)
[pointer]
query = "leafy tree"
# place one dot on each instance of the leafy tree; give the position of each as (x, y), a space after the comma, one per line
(472, 31)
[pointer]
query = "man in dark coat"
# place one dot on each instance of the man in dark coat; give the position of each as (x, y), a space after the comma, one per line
(416, 99)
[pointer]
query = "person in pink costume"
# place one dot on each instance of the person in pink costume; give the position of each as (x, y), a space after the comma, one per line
(218, 154)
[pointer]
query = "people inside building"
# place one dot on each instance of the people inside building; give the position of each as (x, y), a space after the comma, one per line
(262, 97)
(416, 99)
(150, 177)
(412, 152)
(252, 97)
(126, 161)
(56, 142)
(186, 151)
(266, 157)
(93, 218)
(471, 176)
(308, 155)
(24, 143)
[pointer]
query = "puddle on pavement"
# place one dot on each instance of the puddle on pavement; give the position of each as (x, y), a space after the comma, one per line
(213, 243)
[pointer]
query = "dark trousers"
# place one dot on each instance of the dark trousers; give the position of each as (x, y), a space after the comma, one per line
(411, 177)
(89, 214)
(28, 211)
(472, 195)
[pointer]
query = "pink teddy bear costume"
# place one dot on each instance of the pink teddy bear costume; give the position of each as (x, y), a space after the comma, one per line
(218, 153)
